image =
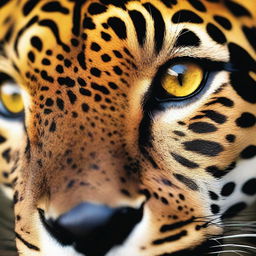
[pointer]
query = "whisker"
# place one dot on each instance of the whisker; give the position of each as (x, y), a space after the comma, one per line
(240, 228)
(237, 252)
(240, 220)
(237, 236)
(240, 224)
(235, 245)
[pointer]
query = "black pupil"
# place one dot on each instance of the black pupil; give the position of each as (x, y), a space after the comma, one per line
(179, 71)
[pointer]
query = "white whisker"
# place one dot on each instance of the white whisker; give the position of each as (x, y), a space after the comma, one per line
(237, 252)
(235, 245)
(237, 236)
(240, 225)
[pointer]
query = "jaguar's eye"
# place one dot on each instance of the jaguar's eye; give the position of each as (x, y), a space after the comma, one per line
(181, 80)
(11, 103)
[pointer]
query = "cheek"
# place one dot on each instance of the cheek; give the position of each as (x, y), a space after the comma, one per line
(237, 189)
(11, 139)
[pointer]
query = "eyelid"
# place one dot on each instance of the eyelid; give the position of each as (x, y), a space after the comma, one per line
(205, 63)
(150, 102)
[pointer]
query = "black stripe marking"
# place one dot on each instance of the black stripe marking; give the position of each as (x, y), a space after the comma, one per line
(221, 100)
(96, 8)
(2, 48)
(170, 238)
(55, 7)
(245, 63)
(198, 5)
(60, 103)
(72, 97)
(237, 9)
(184, 161)
(77, 17)
(2, 139)
(8, 34)
(186, 181)
(6, 155)
(31, 22)
(187, 38)
(186, 16)
(173, 226)
(202, 127)
(29, 6)
(117, 3)
(145, 138)
(216, 172)
(224, 22)
(159, 25)
(179, 133)
(216, 34)
(55, 30)
(215, 116)
(29, 245)
(204, 147)
(250, 34)
(241, 58)
(139, 23)
(81, 59)
(15, 67)
(169, 3)
(118, 26)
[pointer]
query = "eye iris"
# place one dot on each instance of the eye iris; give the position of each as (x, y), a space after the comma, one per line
(181, 80)
(11, 98)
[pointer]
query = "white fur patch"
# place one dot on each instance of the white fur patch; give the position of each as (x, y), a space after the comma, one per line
(50, 247)
(244, 171)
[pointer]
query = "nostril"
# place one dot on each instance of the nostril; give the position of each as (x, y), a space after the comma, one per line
(86, 219)
(94, 229)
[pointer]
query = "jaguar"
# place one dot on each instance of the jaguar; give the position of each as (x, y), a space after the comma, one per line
(127, 127)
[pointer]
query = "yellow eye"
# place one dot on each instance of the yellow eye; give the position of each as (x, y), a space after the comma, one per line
(11, 98)
(183, 79)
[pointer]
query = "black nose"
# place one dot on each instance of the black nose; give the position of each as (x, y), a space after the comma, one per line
(93, 229)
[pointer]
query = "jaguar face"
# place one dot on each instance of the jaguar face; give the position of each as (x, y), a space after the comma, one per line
(127, 127)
